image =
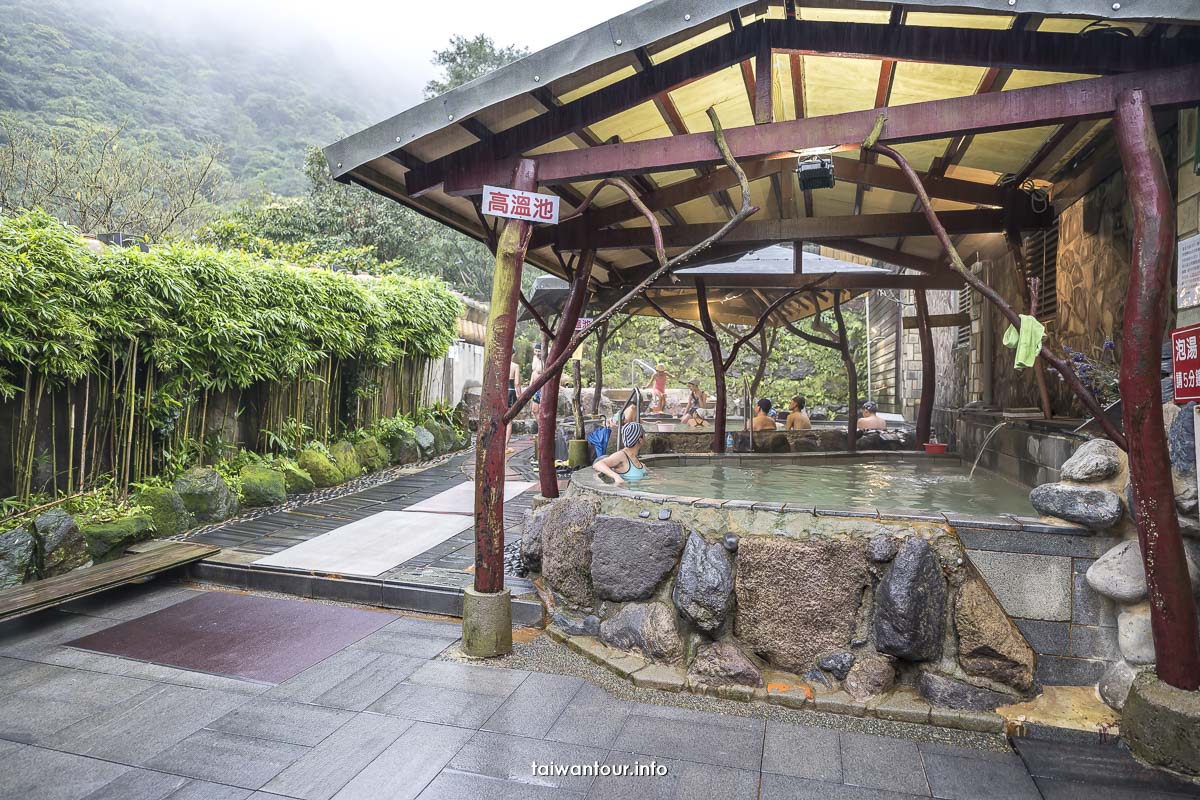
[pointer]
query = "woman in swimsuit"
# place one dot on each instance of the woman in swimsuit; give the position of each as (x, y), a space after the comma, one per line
(693, 412)
(623, 466)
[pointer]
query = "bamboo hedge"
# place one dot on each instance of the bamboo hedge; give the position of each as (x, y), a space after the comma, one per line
(137, 342)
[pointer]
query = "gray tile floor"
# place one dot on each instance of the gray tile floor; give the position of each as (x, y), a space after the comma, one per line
(383, 719)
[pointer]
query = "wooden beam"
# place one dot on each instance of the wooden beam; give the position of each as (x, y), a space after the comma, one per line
(863, 226)
(763, 99)
(887, 255)
(939, 321)
(883, 94)
(976, 47)
(1020, 108)
(946, 279)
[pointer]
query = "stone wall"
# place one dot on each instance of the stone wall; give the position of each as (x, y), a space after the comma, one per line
(817, 440)
(1029, 452)
(737, 596)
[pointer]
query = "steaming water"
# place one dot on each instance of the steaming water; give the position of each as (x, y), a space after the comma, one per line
(929, 485)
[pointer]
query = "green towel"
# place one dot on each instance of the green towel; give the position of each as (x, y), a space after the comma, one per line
(1028, 341)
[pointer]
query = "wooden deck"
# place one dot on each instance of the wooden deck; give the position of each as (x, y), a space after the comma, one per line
(144, 560)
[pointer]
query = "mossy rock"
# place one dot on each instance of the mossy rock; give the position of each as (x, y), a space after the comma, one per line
(295, 479)
(167, 509)
(462, 439)
(108, 540)
(371, 454)
(320, 468)
(346, 459)
(262, 486)
(206, 494)
(60, 544)
(442, 441)
(18, 554)
(425, 442)
(404, 450)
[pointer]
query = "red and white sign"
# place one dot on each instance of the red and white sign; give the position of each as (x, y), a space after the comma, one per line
(1185, 359)
(529, 206)
(582, 323)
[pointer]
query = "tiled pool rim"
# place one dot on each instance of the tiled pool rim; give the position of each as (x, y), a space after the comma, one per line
(589, 480)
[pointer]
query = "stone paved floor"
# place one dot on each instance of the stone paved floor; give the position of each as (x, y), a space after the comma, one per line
(386, 718)
(445, 565)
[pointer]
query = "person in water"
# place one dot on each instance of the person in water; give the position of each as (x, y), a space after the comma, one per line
(763, 421)
(869, 419)
(623, 466)
(797, 419)
(693, 409)
(514, 389)
(658, 389)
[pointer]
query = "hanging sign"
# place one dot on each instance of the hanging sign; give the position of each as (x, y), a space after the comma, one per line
(514, 204)
(1188, 273)
(583, 323)
(1185, 359)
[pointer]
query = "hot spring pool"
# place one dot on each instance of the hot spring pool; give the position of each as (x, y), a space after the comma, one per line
(925, 484)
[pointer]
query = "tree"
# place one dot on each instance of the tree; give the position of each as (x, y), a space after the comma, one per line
(467, 59)
(97, 180)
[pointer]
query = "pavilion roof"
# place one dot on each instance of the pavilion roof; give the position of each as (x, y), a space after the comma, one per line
(583, 105)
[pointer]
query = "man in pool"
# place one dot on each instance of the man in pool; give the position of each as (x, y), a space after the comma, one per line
(623, 466)
(763, 421)
(797, 420)
(869, 419)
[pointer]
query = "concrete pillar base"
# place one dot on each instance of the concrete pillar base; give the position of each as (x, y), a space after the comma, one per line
(487, 623)
(577, 453)
(1161, 725)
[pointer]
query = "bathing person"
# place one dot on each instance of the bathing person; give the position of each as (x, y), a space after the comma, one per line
(870, 419)
(623, 466)
(658, 389)
(797, 420)
(514, 389)
(535, 369)
(763, 421)
(693, 409)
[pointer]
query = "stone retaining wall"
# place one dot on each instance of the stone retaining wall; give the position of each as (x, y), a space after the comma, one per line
(737, 596)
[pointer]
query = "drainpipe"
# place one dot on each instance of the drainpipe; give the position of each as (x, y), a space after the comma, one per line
(870, 392)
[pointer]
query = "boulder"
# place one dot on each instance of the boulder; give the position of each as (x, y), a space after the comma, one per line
(371, 454)
(166, 508)
(565, 530)
(17, 557)
(797, 598)
(837, 664)
(531, 541)
(1115, 682)
(989, 644)
(345, 457)
(1134, 635)
(426, 444)
(704, 583)
(882, 548)
(1095, 460)
(206, 494)
(575, 625)
(1181, 441)
(60, 544)
(108, 540)
(404, 450)
(869, 677)
(1098, 509)
(1121, 575)
(631, 556)
(910, 604)
(938, 690)
(262, 486)
(295, 479)
(320, 468)
(646, 628)
(443, 441)
(721, 663)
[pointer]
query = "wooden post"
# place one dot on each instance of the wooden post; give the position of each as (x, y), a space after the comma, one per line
(493, 400)
(714, 350)
(851, 374)
(548, 409)
(598, 384)
(1172, 607)
(925, 412)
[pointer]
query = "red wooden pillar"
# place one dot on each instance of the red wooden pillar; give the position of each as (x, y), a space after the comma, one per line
(1172, 607)
(714, 349)
(851, 374)
(548, 409)
(925, 412)
(493, 400)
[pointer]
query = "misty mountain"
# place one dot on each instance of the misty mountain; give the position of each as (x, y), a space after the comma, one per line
(63, 62)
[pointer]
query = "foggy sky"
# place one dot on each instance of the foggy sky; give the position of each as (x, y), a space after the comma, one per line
(385, 44)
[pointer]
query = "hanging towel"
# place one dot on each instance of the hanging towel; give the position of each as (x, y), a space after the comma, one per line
(1027, 341)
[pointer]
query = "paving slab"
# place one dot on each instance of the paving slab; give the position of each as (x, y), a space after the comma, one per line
(593, 717)
(405, 643)
(352, 679)
(438, 705)
(469, 678)
(877, 762)
(408, 765)
(451, 785)
(141, 784)
(786, 787)
(204, 790)
(282, 721)
(226, 758)
(803, 752)
(323, 771)
(460, 499)
(535, 706)
(1083, 763)
(31, 719)
(684, 780)
(238, 635)
(129, 602)
(512, 758)
(34, 773)
(958, 778)
(690, 741)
